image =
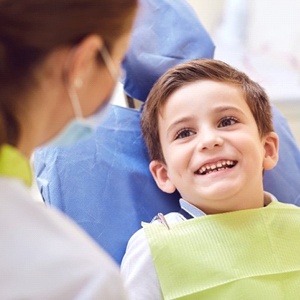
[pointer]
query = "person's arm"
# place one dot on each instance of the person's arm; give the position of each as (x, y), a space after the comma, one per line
(138, 271)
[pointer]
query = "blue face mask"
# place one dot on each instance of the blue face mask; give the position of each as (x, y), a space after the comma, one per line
(81, 128)
(78, 129)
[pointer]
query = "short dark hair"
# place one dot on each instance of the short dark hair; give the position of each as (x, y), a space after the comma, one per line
(191, 71)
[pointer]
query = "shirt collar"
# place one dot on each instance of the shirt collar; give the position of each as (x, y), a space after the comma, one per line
(196, 212)
(14, 164)
(191, 209)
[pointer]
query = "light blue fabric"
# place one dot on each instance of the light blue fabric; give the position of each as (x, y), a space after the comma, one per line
(104, 183)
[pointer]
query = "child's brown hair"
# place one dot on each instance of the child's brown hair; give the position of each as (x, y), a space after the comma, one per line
(191, 71)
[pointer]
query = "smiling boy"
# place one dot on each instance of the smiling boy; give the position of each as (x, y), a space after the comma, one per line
(209, 133)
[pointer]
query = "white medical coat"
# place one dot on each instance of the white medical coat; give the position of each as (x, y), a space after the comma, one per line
(44, 255)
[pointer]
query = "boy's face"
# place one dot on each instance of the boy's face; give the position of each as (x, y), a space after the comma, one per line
(213, 152)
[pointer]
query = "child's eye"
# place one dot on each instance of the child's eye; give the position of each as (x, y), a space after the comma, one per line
(183, 133)
(228, 121)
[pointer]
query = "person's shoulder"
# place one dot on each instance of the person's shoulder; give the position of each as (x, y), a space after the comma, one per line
(272, 202)
(58, 254)
(282, 205)
(139, 236)
(171, 218)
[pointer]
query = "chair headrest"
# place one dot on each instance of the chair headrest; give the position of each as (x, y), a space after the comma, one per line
(165, 34)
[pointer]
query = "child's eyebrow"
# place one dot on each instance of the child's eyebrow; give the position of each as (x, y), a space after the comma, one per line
(218, 109)
(175, 123)
(221, 109)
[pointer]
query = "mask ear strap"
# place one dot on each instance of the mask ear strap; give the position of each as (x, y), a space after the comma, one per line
(75, 102)
(109, 63)
(71, 90)
(71, 87)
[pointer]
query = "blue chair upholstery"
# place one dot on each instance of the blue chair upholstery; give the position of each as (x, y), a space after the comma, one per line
(284, 180)
(103, 183)
(166, 33)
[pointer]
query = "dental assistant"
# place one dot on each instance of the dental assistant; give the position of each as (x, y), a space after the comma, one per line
(59, 61)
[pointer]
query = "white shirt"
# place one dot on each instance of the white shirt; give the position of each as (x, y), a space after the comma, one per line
(137, 268)
(137, 262)
(44, 255)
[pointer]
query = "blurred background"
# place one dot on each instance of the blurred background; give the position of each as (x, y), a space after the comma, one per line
(261, 38)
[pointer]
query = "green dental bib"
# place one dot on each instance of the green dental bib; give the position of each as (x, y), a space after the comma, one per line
(249, 254)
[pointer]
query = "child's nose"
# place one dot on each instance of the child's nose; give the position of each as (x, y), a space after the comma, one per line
(209, 139)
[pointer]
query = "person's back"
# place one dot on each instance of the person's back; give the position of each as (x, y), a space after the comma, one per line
(44, 256)
(55, 72)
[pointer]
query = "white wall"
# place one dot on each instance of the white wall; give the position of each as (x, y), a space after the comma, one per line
(208, 11)
(261, 37)
(274, 26)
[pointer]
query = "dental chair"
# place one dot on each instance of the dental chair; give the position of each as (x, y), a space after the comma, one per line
(103, 183)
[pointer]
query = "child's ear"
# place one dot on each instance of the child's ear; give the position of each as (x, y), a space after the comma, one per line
(159, 172)
(271, 145)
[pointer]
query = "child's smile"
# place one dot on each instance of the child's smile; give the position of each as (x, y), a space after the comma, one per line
(214, 155)
(217, 166)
